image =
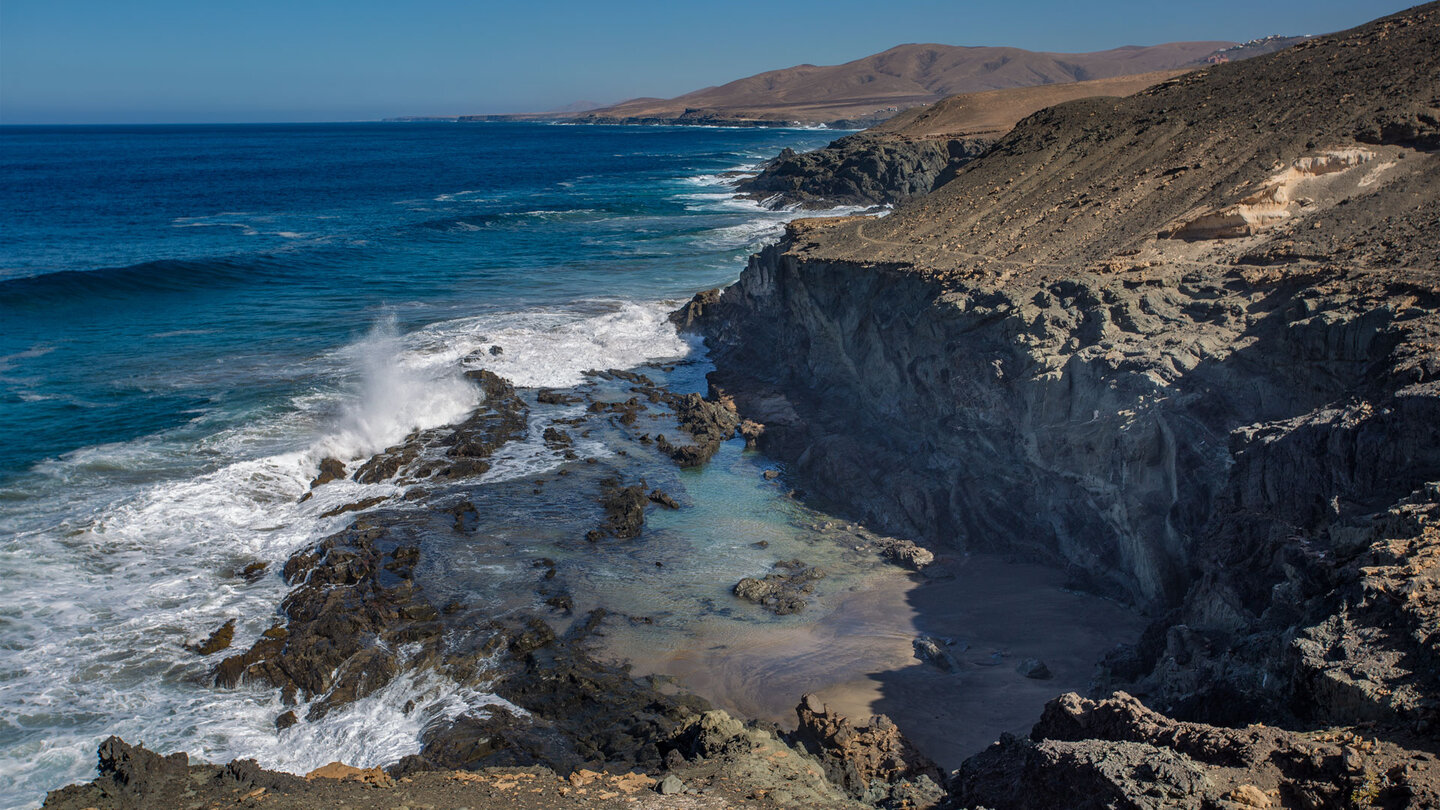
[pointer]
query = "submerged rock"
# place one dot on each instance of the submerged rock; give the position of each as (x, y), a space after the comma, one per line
(624, 510)
(664, 499)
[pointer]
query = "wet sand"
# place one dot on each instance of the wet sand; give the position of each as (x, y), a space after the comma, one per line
(855, 650)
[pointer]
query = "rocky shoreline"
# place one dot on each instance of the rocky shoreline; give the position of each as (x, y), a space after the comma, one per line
(1184, 346)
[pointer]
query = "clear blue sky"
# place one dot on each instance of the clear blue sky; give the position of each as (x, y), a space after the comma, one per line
(95, 61)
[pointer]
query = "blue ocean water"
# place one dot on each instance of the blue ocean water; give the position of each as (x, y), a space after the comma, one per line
(152, 276)
(192, 316)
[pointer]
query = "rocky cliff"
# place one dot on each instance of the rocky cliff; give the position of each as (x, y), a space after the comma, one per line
(1184, 344)
(860, 169)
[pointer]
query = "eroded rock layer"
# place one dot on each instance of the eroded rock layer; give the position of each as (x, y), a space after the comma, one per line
(1184, 344)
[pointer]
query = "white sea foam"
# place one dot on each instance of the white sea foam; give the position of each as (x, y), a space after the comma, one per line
(553, 349)
(98, 592)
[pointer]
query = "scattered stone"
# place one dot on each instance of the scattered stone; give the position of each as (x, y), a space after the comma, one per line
(663, 498)
(339, 770)
(624, 510)
(254, 571)
(936, 651)
(670, 785)
(905, 552)
(629, 410)
(1034, 668)
(771, 475)
(496, 351)
(710, 423)
(467, 517)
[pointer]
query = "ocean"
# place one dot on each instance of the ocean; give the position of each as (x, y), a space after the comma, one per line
(192, 317)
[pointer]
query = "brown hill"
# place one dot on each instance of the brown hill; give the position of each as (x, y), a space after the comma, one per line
(902, 77)
(908, 154)
(994, 112)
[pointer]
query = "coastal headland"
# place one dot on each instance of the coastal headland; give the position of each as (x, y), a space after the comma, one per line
(870, 90)
(1181, 349)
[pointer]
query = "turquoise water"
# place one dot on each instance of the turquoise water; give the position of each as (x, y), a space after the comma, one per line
(191, 317)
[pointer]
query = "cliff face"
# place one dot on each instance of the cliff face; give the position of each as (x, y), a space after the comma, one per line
(1184, 344)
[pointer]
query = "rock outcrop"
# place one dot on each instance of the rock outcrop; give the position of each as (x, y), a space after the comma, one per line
(783, 591)
(1185, 345)
(873, 762)
(862, 169)
(1117, 753)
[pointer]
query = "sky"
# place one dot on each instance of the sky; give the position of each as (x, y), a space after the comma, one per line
(198, 61)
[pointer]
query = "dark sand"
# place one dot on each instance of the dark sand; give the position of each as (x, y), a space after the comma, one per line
(855, 650)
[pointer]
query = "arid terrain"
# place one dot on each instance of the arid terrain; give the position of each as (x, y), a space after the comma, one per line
(874, 88)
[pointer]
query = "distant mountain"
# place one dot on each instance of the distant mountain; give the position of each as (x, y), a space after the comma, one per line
(905, 76)
(578, 107)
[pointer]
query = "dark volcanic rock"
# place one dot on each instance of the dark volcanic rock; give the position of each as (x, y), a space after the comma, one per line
(709, 422)
(353, 590)
(1115, 752)
(1225, 444)
(545, 396)
(937, 652)
(624, 510)
(685, 317)
(861, 169)
(663, 498)
(783, 590)
(331, 469)
(130, 776)
(1181, 344)
(217, 641)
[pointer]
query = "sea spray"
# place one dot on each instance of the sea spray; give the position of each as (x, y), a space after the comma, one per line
(144, 569)
(398, 393)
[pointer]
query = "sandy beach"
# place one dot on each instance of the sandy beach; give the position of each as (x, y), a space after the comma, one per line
(856, 651)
